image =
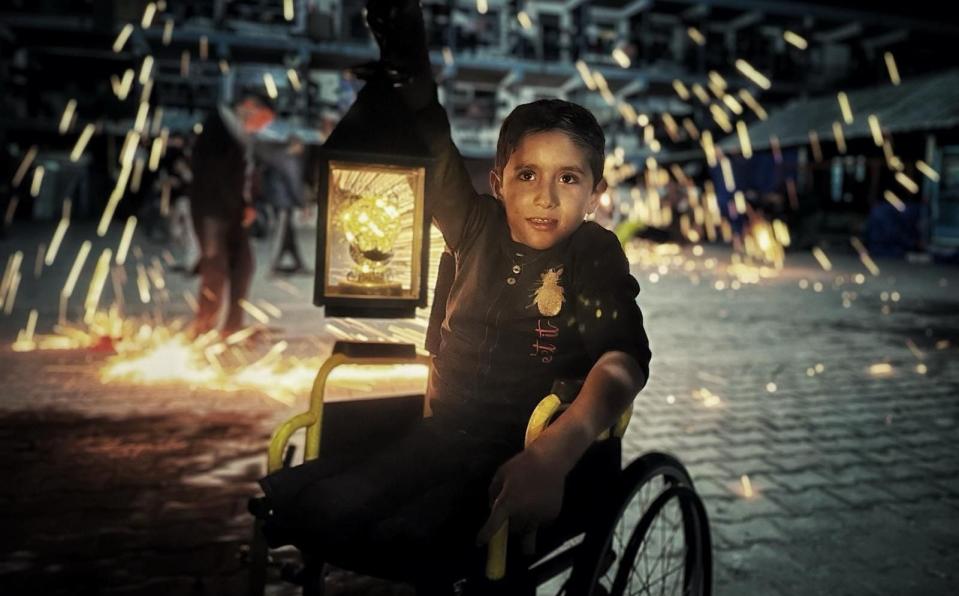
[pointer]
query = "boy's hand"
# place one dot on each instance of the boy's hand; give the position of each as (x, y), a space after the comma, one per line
(401, 34)
(527, 490)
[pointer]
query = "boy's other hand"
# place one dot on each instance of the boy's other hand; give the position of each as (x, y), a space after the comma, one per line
(527, 490)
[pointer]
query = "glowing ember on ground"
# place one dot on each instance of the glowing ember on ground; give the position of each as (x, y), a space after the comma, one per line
(747, 486)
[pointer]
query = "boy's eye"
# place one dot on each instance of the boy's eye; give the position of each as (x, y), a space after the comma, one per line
(568, 179)
(526, 175)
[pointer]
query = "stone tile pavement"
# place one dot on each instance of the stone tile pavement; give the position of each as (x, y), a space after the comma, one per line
(127, 489)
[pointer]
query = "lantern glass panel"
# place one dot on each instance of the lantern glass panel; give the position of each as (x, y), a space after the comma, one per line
(374, 230)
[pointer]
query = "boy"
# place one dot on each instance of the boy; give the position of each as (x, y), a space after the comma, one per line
(538, 294)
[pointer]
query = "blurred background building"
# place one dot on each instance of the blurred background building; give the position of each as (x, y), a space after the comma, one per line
(837, 119)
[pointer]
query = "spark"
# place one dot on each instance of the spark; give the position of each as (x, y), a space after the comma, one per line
(752, 74)
(701, 93)
(224, 67)
(864, 256)
(732, 104)
(482, 6)
(37, 181)
(81, 143)
(25, 165)
(167, 32)
(254, 311)
(141, 118)
(148, 13)
(707, 143)
(524, 20)
(11, 272)
(880, 369)
(146, 69)
(875, 129)
(96, 284)
(294, 79)
(927, 171)
(740, 201)
(816, 147)
(143, 284)
(68, 113)
(744, 139)
(696, 35)
(75, 269)
(717, 80)
(754, 105)
(156, 150)
(747, 486)
(270, 85)
(25, 338)
(719, 115)
(914, 349)
(840, 138)
(58, 235)
(907, 182)
(185, 63)
(621, 58)
(795, 39)
(125, 239)
(586, 75)
(893, 200)
(892, 68)
(12, 293)
(681, 90)
(204, 49)
(126, 83)
(821, 257)
(288, 10)
(845, 108)
(122, 38)
(271, 309)
(727, 169)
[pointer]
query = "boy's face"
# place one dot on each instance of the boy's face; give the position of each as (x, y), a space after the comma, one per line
(547, 189)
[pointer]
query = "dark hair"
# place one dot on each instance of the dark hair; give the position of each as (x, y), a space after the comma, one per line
(543, 115)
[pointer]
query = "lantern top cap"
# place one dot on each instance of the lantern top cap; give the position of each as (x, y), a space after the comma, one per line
(378, 123)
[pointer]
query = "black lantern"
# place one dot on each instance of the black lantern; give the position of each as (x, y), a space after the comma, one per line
(372, 245)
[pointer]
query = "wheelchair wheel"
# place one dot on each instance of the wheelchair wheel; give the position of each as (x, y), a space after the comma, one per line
(653, 537)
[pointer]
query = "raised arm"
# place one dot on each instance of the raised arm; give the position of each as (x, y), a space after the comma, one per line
(399, 30)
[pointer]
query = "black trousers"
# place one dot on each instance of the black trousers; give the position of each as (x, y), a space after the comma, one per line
(225, 258)
(409, 512)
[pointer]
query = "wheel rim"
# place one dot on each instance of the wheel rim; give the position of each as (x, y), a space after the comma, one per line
(645, 481)
(662, 549)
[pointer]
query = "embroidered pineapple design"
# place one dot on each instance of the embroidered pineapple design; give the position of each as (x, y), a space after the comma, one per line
(548, 297)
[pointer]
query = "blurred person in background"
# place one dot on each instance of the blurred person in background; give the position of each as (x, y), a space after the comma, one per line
(283, 187)
(221, 205)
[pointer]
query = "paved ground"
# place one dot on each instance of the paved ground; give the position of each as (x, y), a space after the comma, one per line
(126, 489)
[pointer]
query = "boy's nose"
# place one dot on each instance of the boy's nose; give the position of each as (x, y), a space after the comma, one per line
(546, 197)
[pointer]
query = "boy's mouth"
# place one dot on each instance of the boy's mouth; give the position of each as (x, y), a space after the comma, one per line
(541, 223)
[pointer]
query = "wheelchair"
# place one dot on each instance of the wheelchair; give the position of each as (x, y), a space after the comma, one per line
(634, 530)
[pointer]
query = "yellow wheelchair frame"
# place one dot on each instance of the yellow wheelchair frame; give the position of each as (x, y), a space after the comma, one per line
(357, 353)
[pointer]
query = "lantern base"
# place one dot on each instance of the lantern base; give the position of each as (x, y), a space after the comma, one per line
(367, 288)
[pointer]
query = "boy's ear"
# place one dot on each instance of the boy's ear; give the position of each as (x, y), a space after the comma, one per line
(496, 185)
(595, 196)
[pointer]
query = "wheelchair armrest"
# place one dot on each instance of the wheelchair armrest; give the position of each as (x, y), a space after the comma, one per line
(344, 352)
(545, 412)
